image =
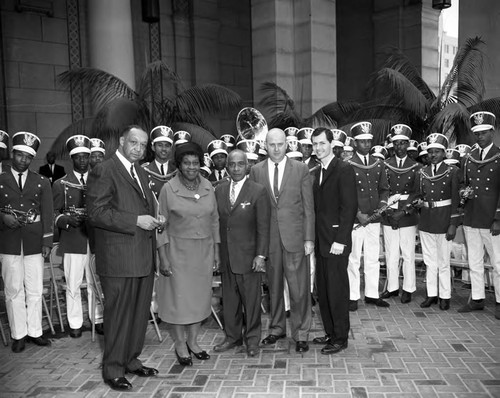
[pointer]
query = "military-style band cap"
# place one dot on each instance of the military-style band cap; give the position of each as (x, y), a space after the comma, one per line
(482, 121)
(349, 144)
(452, 156)
(78, 144)
(207, 163)
(216, 146)
(422, 148)
(181, 137)
(291, 132)
(229, 140)
(362, 131)
(400, 132)
(412, 146)
(437, 140)
(97, 145)
(161, 133)
(339, 137)
(464, 149)
(4, 139)
(379, 151)
(250, 147)
(25, 142)
(293, 148)
(262, 147)
(304, 135)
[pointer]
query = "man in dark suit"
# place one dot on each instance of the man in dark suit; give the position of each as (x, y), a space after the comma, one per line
(244, 213)
(289, 187)
(51, 170)
(336, 205)
(121, 208)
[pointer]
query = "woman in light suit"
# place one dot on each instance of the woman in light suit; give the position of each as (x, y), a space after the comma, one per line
(189, 252)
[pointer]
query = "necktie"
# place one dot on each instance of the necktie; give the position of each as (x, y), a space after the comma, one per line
(220, 175)
(481, 152)
(434, 170)
(20, 181)
(232, 194)
(365, 159)
(161, 170)
(132, 173)
(82, 180)
(275, 182)
(321, 175)
(400, 164)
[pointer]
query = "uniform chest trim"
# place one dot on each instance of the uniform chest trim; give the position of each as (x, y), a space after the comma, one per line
(401, 171)
(363, 167)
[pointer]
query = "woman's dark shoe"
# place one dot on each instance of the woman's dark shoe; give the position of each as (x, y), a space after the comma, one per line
(202, 355)
(184, 361)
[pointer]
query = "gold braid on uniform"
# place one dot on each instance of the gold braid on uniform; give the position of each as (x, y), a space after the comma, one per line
(158, 176)
(401, 171)
(72, 185)
(485, 161)
(363, 167)
(433, 178)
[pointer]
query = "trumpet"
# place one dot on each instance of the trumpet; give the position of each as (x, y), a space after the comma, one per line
(80, 212)
(23, 217)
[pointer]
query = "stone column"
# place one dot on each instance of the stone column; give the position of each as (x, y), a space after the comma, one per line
(294, 45)
(111, 45)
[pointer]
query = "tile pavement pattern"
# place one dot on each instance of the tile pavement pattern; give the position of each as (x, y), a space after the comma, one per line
(402, 351)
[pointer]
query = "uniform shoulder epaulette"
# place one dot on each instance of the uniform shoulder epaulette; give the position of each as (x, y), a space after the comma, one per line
(145, 164)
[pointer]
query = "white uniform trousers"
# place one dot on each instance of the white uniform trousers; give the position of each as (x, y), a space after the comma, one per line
(75, 265)
(23, 279)
(400, 242)
(436, 251)
(478, 239)
(365, 240)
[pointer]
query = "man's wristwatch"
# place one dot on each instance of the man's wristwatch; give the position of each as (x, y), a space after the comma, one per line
(261, 256)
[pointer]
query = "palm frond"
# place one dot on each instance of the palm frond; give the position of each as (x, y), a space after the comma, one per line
(399, 62)
(101, 86)
(465, 80)
(334, 114)
(275, 99)
(283, 120)
(198, 134)
(156, 76)
(452, 121)
(83, 126)
(207, 98)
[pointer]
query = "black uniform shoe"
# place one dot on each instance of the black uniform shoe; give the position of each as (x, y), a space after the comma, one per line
(41, 341)
(301, 346)
(444, 304)
(76, 333)
(99, 328)
(377, 301)
(473, 305)
(386, 294)
(18, 345)
(428, 302)
(353, 305)
(119, 384)
(405, 297)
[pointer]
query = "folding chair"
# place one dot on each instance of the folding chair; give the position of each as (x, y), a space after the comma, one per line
(57, 278)
(216, 283)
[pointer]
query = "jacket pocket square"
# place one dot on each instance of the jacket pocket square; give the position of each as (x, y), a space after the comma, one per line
(335, 226)
(245, 204)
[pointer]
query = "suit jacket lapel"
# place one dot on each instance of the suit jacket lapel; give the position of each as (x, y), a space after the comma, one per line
(126, 175)
(286, 174)
(226, 204)
(265, 169)
(329, 171)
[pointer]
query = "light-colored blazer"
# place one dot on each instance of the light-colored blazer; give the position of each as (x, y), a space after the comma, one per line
(292, 216)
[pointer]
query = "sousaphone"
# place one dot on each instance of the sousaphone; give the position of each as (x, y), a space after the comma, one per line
(251, 125)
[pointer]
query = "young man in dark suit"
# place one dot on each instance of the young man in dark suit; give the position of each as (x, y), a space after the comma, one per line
(336, 205)
(244, 214)
(291, 239)
(121, 208)
(51, 170)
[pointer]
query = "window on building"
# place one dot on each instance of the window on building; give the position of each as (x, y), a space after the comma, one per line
(454, 50)
(446, 63)
(447, 48)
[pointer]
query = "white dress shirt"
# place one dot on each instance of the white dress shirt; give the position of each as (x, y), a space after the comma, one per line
(281, 171)
(127, 165)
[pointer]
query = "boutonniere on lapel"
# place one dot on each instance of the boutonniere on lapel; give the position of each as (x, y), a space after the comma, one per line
(196, 196)
(245, 204)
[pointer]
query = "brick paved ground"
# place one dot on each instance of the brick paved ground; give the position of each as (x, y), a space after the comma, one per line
(402, 351)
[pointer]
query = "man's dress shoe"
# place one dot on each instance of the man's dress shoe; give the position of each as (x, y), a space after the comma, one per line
(272, 339)
(322, 340)
(333, 348)
(405, 297)
(41, 341)
(428, 302)
(18, 345)
(99, 328)
(75, 333)
(386, 294)
(377, 301)
(444, 304)
(202, 355)
(144, 371)
(253, 351)
(353, 305)
(301, 346)
(473, 305)
(119, 384)
(226, 345)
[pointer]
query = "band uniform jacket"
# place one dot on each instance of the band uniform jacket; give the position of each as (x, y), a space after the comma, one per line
(71, 240)
(292, 216)
(403, 183)
(36, 195)
(244, 227)
(114, 200)
(444, 186)
(484, 178)
(336, 205)
(155, 183)
(213, 177)
(371, 184)
(47, 172)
